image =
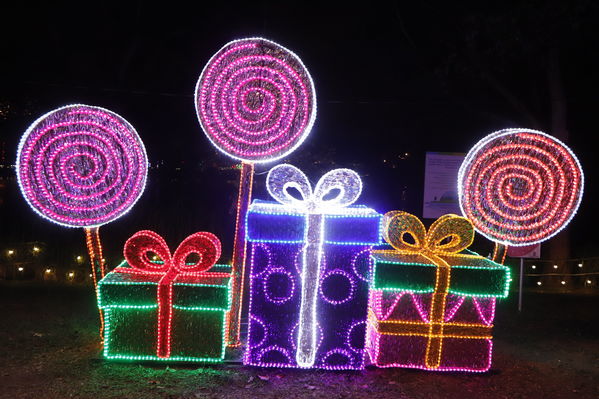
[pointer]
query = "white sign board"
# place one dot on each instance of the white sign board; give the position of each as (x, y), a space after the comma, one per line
(441, 184)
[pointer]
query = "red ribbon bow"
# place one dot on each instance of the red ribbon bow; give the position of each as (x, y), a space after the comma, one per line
(143, 243)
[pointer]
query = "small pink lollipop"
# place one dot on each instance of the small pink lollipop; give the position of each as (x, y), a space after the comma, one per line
(82, 166)
(520, 187)
(255, 101)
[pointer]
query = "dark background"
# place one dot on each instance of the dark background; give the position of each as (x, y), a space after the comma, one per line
(393, 80)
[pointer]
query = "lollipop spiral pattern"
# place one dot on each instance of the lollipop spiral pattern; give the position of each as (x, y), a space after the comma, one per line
(81, 166)
(520, 187)
(255, 100)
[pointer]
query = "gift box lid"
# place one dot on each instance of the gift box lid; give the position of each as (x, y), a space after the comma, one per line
(471, 274)
(128, 290)
(274, 222)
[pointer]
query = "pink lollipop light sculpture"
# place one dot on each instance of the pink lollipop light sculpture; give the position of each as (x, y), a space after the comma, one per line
(255, 101)
(82, 166)
(519, 187)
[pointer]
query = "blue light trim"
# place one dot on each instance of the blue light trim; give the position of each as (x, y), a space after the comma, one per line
(268, 222)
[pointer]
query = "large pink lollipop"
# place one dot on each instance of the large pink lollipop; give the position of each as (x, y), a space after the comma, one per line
(255, 101)
(520, 187)
(82, 166)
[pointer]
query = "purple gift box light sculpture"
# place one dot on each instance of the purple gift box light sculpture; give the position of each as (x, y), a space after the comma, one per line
(310, 267)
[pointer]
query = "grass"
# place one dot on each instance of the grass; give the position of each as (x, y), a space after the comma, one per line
(49, 349)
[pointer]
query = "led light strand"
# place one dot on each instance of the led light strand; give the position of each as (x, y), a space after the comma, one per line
(264, 328)
(485, 265)
(246, 180)
(448, 236)
(94, 249)
(374, 336)
(108, 352)
(279, 180)
(293, 336)
(82, 166)
(205, 245)
(279, 271)
(337, 272)
(255, 100)
(520, 187)
(350, 331)
(363, 254)
(269, 259)
(305, 258)
(455, 309)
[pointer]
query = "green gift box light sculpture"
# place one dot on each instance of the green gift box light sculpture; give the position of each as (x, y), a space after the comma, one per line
(168, 310)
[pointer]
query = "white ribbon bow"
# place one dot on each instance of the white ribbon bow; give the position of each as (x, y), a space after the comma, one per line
(283, 177)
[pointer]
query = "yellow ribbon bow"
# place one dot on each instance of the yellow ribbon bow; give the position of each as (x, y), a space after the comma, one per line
(447, 236)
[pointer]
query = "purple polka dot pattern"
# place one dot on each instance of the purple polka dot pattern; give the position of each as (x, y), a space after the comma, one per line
(255, 100)
(81, 166)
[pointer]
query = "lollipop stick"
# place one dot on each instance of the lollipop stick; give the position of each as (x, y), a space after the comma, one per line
(94, 249)
(239, 251)
(499, 253)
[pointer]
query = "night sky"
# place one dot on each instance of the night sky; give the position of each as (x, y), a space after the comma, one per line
(391, 78)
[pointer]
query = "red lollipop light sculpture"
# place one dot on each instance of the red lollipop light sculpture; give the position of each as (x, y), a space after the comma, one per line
(519, 187)
(82, 166)
(255, 101)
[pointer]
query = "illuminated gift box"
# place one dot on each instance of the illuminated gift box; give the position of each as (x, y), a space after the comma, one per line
(166, 311)
(432, 301)
(309, 275)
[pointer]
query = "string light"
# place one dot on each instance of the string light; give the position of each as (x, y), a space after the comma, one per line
(36, 249)
(316, 294)
(11, 252)
(442, 284)
(539, 283)
(255, 100)
(555, 266)
(20, 269)
(246, 180)
(580, 265)
(48, 270)
(94, 249)
(519, 186)
(387, 337)
(82, 166)
(179, 286)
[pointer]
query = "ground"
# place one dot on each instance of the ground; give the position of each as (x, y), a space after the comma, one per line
(49, 349)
